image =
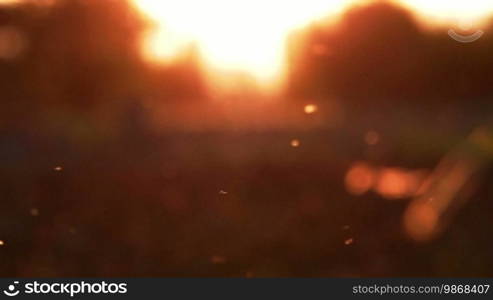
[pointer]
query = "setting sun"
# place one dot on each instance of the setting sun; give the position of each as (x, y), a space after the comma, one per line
(250, 36)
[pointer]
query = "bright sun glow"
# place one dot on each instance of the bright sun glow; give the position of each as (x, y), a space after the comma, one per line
(250, 35)
(231, 35)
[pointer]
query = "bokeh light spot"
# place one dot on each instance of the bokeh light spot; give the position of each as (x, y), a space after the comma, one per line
(311, 109)
(295, 143)
(420, 221)
(360, 178)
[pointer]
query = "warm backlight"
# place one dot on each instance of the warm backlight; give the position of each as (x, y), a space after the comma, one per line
(250, 35)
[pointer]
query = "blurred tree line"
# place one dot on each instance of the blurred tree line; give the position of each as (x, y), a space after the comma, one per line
(81, 61)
